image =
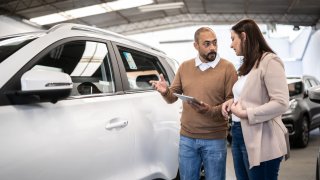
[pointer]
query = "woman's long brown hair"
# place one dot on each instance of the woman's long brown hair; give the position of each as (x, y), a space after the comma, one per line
(253, 46)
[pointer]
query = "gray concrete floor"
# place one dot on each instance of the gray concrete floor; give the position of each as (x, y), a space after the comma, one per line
(300, 166)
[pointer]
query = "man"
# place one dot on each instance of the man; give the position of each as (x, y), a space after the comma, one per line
(209, 79)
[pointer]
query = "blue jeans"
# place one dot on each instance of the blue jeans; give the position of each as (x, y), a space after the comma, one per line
(239, 153)
(267, 170)
(212, 153)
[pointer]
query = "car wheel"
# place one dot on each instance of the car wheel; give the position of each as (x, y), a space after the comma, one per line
(303, 138)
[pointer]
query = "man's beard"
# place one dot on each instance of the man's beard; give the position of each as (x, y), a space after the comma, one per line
(211, 56)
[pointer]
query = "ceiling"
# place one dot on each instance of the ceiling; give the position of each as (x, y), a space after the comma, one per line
(194, 12)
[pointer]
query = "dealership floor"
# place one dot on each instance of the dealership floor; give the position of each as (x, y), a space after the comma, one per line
(301, 165)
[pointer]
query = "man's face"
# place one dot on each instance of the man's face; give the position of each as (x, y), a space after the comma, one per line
(207, 46)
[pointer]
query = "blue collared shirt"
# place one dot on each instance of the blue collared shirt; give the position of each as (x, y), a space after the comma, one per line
(204, 66)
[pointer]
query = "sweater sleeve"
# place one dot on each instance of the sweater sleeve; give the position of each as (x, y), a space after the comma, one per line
(277, 88)
(176, 87)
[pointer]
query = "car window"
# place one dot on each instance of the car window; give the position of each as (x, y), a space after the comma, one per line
(307, 84)
(141, 68)
(87, 63)
(313, 82)
(9, 45)
(295, 88)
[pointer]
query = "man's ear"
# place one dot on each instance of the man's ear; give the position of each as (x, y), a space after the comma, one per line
(196, 45)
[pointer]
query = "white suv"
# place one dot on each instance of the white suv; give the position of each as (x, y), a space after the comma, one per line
(75, 103)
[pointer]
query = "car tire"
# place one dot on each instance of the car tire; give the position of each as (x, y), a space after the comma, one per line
(303, 136)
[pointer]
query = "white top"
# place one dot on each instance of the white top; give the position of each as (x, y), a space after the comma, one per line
(236, 90)
(205, 66)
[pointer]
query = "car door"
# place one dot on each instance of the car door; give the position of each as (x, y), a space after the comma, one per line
(89, 135)
(314, 107)
(156, 122)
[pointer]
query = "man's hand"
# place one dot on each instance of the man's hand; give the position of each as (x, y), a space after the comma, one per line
(200, 108)
(226, 107)
(160, 86)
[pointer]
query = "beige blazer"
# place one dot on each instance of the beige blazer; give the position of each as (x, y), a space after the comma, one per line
(265, 96)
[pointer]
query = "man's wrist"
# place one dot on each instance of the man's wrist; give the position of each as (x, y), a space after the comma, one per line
(166, 92)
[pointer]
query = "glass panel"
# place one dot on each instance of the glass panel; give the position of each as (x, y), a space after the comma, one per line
(141, 68)
(295, 88)
(313, 82)
(9, 45)
(86, 62)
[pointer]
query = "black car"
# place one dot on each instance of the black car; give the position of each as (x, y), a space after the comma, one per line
(303, 115)
(314, 95)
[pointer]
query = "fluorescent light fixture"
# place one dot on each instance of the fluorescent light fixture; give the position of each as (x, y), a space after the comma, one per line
(126, 4)
(89, 11)
(164, 6)
(48, 19)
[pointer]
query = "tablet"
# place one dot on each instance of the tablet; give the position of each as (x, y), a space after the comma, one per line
(187, 98)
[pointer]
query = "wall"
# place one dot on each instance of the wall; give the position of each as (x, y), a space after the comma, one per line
(311, 59)
(12, 26)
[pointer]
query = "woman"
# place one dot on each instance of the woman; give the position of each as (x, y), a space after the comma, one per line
(260, 97)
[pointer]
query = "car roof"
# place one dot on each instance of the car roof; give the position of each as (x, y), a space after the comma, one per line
(90, 32)
(102, 33)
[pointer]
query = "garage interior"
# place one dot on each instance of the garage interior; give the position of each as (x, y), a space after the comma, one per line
(142, 21)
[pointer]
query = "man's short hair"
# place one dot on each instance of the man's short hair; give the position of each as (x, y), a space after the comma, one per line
(200, 30)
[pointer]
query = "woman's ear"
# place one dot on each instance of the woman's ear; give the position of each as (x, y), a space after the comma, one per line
(243, 36)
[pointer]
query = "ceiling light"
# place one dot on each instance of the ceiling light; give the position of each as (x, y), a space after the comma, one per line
(48, 19)
(126, 4)
(89, 11)
(158, 7)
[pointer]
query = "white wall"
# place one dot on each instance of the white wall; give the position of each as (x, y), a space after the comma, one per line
(11, 26)
(299, 44)
(311, 59)
(184, 51)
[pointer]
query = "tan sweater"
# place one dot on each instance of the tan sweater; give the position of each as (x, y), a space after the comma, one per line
(212, 86)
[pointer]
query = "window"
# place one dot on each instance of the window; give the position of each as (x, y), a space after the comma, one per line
(313, 82)
(141, 68)
(86, 62)
(295, 88)
(307, 84)
(10, 45)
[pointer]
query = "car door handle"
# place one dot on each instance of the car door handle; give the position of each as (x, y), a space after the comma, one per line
(114, 123)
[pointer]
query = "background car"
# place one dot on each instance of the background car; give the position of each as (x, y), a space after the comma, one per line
(303, 115)
(76, 103)
(314, 95)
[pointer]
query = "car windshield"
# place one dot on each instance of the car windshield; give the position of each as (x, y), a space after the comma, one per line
(10, 44)
(295, 87)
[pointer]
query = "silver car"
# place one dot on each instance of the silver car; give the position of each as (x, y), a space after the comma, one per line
(76, 103)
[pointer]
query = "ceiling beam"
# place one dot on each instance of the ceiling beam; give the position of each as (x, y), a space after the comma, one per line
(211, 19)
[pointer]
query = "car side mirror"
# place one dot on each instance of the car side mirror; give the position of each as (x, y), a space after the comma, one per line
(42, 86)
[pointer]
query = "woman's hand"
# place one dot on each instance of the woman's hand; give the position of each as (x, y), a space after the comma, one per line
(237, 110)
(226, 107)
